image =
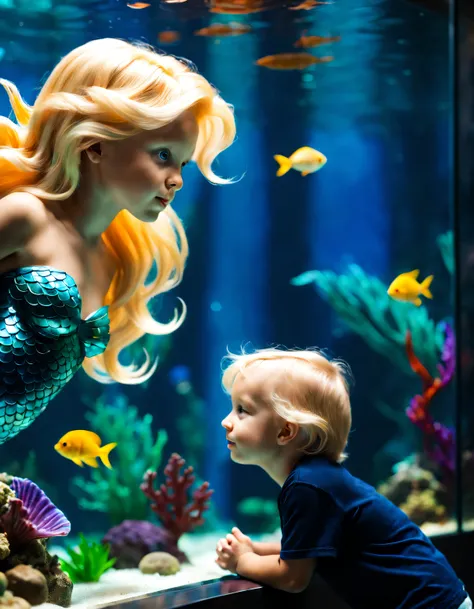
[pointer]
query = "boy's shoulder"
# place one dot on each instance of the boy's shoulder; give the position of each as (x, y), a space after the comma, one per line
(332, 478)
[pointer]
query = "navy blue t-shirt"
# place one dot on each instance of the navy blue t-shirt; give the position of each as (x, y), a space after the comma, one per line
(367, 549)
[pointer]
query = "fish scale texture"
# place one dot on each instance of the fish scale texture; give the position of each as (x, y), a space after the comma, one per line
(43, 341)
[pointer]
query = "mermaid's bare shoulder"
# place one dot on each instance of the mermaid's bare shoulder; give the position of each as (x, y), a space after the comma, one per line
(22, 216)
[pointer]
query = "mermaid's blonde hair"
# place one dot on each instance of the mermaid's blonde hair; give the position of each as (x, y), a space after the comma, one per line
(309, 390)
(110, 89)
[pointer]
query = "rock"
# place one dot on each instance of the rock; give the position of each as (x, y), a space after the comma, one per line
(60, 587)
(28, 583)
(4, 546)
(159, 562)
(13, 602)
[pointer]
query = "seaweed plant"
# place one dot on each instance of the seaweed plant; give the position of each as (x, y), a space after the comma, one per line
(115, 491)
(362, 302)
(88, 562)
(445, 243)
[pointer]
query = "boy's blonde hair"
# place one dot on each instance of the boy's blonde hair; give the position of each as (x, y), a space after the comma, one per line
(313, 392)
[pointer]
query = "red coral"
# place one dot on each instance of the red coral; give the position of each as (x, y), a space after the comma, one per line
(170, 501)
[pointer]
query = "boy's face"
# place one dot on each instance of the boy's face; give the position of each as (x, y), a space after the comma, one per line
(252, 427)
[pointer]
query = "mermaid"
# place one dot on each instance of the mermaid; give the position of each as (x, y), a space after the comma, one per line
(88, 175)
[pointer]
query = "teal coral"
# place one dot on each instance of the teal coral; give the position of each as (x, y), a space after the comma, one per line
(362, 302)
(116, 491)
(88, 563)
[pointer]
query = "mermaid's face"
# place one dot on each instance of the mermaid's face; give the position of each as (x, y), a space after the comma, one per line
(142, 173)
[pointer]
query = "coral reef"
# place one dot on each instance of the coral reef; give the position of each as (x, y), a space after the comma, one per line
(439, 440)
(417, 492)
(138, 449)
(170, 501)
(362, 302)
(131, 540)
(27, 520)
(88, 562)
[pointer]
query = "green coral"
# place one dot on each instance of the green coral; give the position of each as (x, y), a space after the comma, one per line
(88, 563)
(362, 302)
(117, 491)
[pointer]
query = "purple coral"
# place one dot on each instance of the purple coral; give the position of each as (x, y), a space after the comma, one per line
(439, 440)
(31, 515)
(448, 355)
(131, 540)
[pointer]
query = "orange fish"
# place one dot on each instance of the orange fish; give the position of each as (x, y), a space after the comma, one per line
(138, 5)
(223, 29)
(236, 7)
(291, 61)
(168, 36)
(307, 5)
(82, 446)
(309, 42)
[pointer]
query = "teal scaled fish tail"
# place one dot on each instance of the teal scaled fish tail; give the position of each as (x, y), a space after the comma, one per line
(43, 341)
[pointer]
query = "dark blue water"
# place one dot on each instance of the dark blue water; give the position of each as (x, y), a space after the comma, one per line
(381, 111)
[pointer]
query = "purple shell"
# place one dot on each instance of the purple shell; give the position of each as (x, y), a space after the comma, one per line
(32, 515)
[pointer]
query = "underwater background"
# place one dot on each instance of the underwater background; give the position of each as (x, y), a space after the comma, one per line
(291, 261)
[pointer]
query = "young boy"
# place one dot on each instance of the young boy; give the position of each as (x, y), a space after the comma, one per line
(291, 416)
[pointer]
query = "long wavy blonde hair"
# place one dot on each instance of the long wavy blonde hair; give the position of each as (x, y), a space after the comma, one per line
(110, 89)
(309, 390)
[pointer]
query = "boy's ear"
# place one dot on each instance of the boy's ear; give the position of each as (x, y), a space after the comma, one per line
(287, 433)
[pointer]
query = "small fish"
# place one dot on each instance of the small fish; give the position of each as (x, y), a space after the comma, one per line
(84, 446)
(236, 7)
(305, 159)
(291, 61)
(307, 5)
(406, 287)
(309, 42)
(138, 5)
(223, 29)
(168, 36)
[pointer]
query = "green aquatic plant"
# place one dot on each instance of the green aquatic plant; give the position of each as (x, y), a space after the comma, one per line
(116, 491)
(27, 467)
(362, 302)
(446, 246)
(88, 562)
(262, 513)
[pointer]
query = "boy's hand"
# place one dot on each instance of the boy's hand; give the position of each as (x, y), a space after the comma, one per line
(231, 548)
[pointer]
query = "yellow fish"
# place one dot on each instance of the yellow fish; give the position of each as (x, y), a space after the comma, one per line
(406, 287)
(84, 446)
(305, 159)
